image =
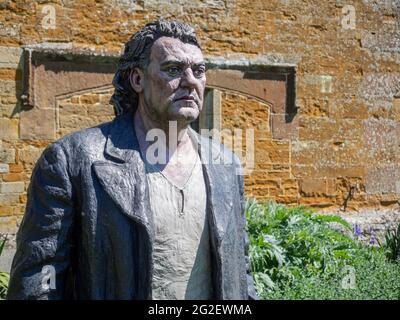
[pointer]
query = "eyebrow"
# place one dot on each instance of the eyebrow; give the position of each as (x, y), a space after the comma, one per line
(181, 63)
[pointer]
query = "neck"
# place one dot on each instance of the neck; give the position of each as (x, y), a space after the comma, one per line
(174, 132)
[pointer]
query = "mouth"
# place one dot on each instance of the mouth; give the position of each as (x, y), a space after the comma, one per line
(185, 98)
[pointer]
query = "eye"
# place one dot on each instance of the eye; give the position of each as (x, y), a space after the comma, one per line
(173, 71)
(199, 72)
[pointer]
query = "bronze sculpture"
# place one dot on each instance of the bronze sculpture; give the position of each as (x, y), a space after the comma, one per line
(114, 224)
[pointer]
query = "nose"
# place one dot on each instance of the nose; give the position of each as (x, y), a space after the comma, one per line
(188, 80)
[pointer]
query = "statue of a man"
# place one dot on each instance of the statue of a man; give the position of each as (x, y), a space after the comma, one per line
(106, 219)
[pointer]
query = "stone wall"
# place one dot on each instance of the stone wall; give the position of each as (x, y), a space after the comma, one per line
(341, 151)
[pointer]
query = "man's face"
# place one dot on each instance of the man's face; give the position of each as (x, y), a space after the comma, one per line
(174, 81)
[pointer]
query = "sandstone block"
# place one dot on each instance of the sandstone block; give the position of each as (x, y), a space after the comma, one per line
(8, 129)
(9, 199)
(9, 57)
(4, 168)
(12, 187)
(7, 155)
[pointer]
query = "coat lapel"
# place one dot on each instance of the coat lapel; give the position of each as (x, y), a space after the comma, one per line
(219, 202)
(216, 177)
(124, 177)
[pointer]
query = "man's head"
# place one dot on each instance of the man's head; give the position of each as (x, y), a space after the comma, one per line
(163, 66)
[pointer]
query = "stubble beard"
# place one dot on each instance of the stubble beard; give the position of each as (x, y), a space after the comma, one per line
(183, 114)
(186, 112)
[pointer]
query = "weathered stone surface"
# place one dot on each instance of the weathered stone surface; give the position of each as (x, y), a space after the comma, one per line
(29, 155)
(38, 124)
(9, 111)
(6, 211)
(382, 140)
(285, 126)
(9, 225)
(9, 199)
(100, 111)
(314, 107)
(323, 83)
(12, 177)
(66, 76)
(9, 57)
(4, 168)
(383, 179)
(66, 108)
(270, 89)
(10, 74)
(12, 187)
(8, 129)
(16, 167)
(384, 39)
(8, 87)
(395, 112)
(7, 155)
(380, 85)
(312, 187)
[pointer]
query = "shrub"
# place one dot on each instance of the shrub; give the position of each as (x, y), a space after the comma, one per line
(392, 244)
(298, 254)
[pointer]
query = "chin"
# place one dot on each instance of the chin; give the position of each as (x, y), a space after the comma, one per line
(191, 115)
(187, 114)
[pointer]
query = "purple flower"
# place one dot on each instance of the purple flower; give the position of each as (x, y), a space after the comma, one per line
(372, 240)
(357, 230)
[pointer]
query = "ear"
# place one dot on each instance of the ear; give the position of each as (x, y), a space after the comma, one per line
(136, 80)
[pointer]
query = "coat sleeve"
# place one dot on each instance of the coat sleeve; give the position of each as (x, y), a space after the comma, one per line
(42, 261)
(252, 294)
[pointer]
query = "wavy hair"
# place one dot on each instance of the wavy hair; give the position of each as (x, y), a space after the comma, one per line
(137, 55)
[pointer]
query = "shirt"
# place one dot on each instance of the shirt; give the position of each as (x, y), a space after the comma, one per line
(182, 262)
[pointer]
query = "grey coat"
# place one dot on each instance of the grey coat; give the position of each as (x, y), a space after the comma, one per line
(88, 216)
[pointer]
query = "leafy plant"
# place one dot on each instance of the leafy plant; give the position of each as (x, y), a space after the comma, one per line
(298, 254)
(4, 276)
(392, 243)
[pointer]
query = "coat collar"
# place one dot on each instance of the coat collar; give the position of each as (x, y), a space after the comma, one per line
(122, 143)
(124, 177)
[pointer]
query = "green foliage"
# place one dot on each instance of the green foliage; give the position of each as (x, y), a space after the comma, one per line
(297, 254)
(392, 244)
(4, 276)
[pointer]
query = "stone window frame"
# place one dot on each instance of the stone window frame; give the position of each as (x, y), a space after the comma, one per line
(54, 72)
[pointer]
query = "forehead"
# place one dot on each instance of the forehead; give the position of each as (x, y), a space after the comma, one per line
(166, 48)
